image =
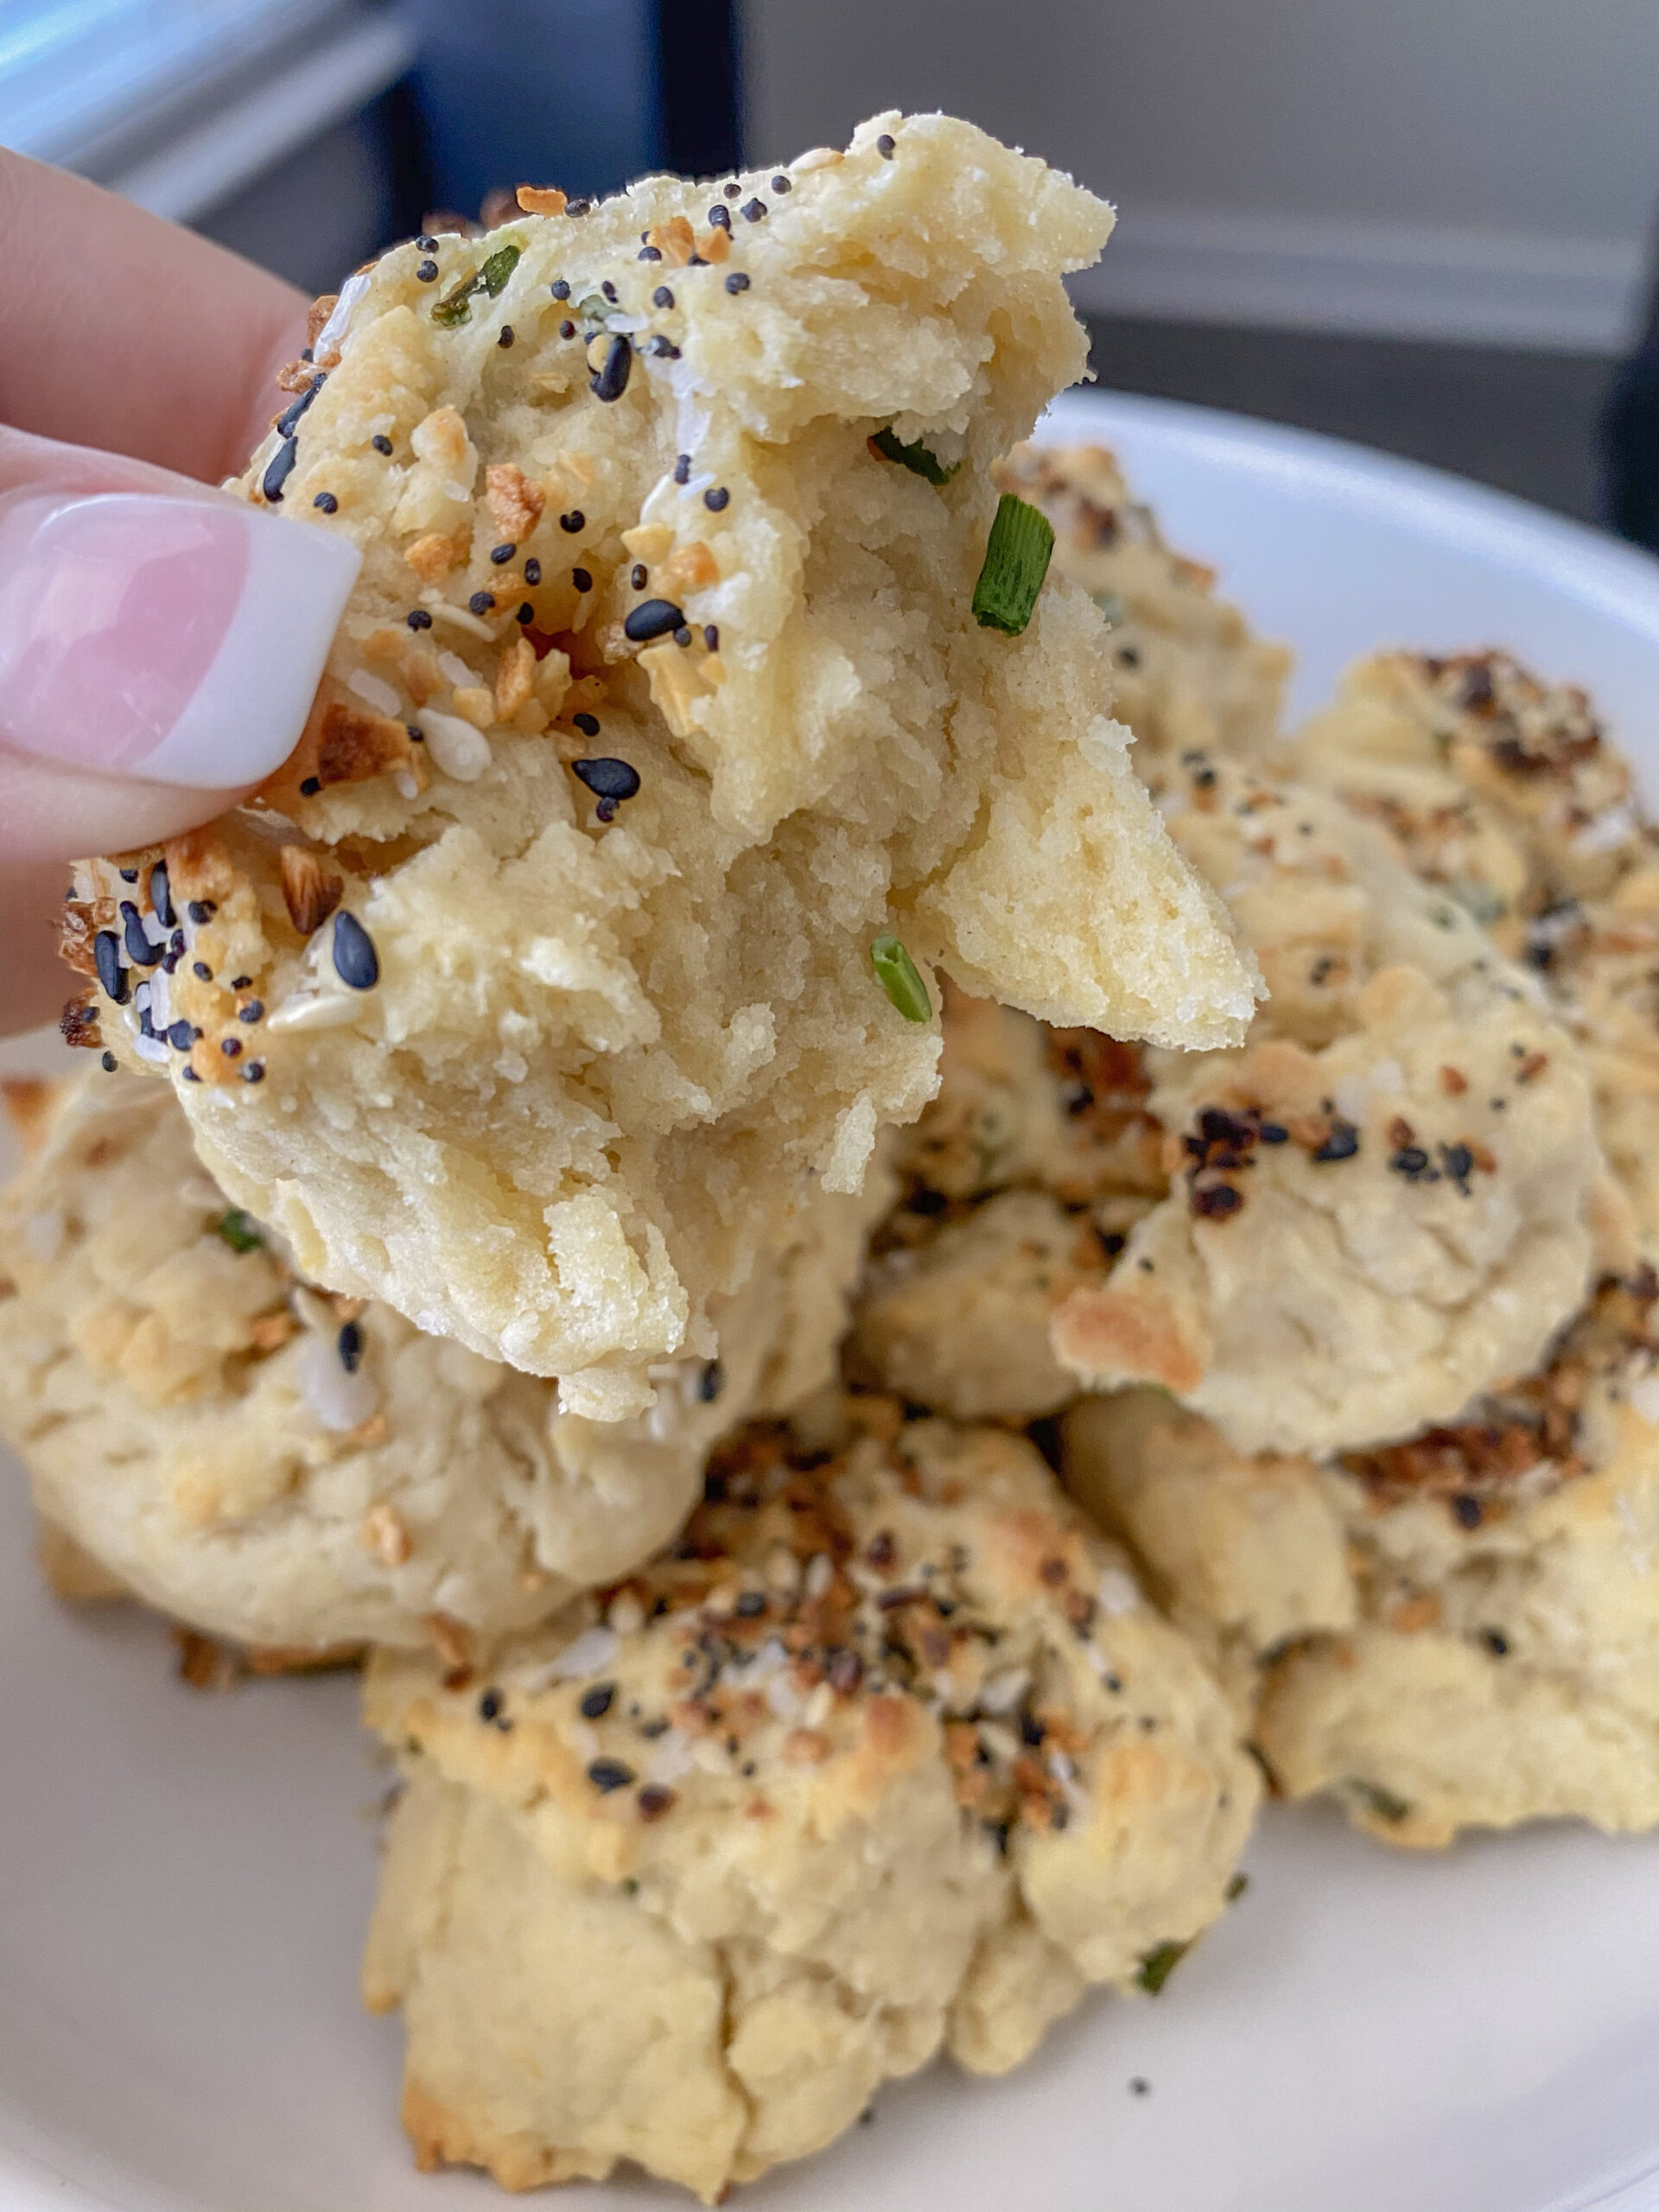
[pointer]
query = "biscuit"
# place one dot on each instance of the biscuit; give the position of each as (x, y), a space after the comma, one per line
(534, 990)
(1456, 1632)
(888, 1755)
(1187, 670)
(290, 1470)
(1387, 1202)
(1505, 790)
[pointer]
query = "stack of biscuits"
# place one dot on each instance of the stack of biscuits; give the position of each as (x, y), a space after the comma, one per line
(843, 1474)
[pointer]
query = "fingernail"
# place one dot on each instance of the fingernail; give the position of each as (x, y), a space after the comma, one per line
(177, 640)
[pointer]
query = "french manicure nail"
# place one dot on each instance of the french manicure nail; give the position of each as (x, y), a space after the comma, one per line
(175, 640)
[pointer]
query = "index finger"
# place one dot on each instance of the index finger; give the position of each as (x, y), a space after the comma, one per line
(124, 332)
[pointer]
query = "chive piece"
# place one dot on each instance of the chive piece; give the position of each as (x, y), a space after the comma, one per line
(493, 276)
(901, 979)
(594, 306)
(1159, 1964)
(917, 458)
(1016, 561)
(455, 306)
(1383, 1802)
(239, 1231)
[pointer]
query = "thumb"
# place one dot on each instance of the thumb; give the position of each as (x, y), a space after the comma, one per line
(160, 645)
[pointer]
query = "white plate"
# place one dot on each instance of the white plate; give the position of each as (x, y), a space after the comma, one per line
(186, 1877)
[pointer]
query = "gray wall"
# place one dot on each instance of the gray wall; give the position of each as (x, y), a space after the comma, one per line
(1406, 152)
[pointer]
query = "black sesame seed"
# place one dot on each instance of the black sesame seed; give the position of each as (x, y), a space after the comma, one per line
(753, 211)
(609, 290)
(489, 1705)
(1273, 1133)
(201, 967)
(140, 950)
(780, 184)
(661, 297)
(500, 554)
(561, 290)
(751, 1605)
(356, 962)
(286, 421)
(648, 253)
(326, 502)
(711, 1381)
(652, 618)
(1342, 1143)
(607, 778)
(128, 875)
(610, 382)
(1495, 1642)
(305, 352)
(310, 786)
(505, 338)
(579, 207)
(638, 575)
(587, 724)
(737, 282)
(711, 637)
(682, 468)
(532, 572)
(380, 443)
(884, 146)
(567, 329)
(278, 469)
(190, 1075)
(606, 1775)
(418, 618)
(683, 635)
(232, 1047)
(427, 272)
(255, 1008)
(716, 498)
(254, 1072)
(202, 910)
(349, 1344)
(1410, 1161)
(107, 1062)
(596, 1702)
(664, 348)
(1467, 1509)
(112, 976)
(1458, 1161)
(733, 190)
(426, 245)
(181, 1036)
(574, 522)
(526, 614)
(721, 217)
(161, 896)
(581, 579)
(481, 602)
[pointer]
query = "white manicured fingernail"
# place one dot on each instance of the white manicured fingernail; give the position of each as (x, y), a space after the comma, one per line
(175, 640)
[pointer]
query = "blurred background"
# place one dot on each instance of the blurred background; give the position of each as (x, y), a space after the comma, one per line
(1428, 224)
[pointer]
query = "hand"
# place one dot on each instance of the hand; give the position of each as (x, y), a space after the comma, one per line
(159, 642)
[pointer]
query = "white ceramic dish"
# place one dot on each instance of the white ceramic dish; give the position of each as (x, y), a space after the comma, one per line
(186, 1877)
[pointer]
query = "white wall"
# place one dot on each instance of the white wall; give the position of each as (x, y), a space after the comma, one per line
(1485, 169)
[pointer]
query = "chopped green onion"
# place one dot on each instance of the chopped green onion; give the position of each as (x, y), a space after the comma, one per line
(901, 979)
(240, 1231)
(916, 458)
(594, 306)
(1383, 1802)
(496, 270)
(455, 306)
(1016, 561)
(1159, 1964)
